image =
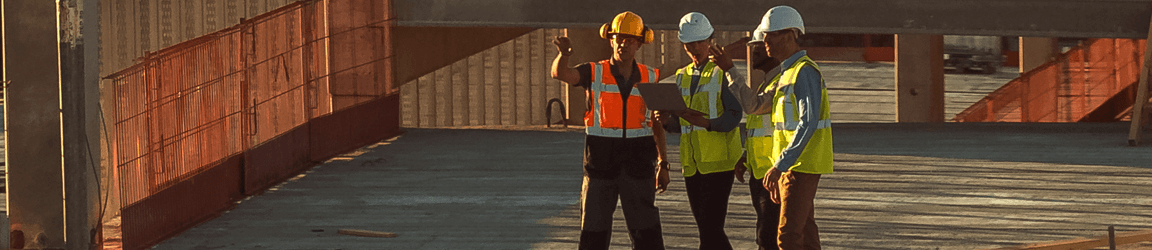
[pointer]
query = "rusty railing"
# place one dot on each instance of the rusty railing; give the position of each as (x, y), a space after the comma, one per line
(198, 125)
(1089, 83)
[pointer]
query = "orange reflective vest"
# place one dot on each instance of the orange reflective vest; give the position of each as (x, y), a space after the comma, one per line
(608, 115)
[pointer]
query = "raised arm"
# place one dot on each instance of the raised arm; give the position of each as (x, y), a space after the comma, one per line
(560, 70)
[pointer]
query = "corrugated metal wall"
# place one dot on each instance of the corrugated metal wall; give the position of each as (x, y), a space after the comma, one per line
(509, 85)
(131, 27)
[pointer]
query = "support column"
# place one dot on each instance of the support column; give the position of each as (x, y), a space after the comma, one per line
(52, 196)
(1036, 51)
(919, 78)
(587, 46)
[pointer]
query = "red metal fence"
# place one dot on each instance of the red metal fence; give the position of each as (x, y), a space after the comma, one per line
(201, 124)
(1090, 83)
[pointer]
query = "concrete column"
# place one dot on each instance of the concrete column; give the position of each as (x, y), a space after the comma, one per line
(80, 106)
(51, 179)
(919, 78)
(587, 46)
(1035, 51)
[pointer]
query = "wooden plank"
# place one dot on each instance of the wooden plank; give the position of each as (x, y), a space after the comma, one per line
(537, 79)
(476, 89)
(459, 85)
(426, 100)
(366, 233)
(507, 94)
(551, 86)
(492, 87)
(409, 104)
(523, 100)
(1139, 113)
(1087, 243)
(444, 97)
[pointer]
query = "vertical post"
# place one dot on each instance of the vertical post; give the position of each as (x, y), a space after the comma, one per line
(1036, 51)
(1111, 238)
(52, 197)
(587, 46)
(79, 67)
(919, 78)
(1139, 111)
(35, 187)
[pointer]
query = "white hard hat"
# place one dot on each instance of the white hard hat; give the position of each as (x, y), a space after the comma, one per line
(694, 27)
(778, 18)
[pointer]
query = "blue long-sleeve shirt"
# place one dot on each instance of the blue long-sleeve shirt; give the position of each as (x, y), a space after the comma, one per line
(808, 87)
(728, 120)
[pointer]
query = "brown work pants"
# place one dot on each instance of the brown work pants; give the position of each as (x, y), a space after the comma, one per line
(797, 211)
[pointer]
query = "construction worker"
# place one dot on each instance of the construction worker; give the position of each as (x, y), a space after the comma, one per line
(801, 127)
(709, 138)
(624, 154)
(758, 144)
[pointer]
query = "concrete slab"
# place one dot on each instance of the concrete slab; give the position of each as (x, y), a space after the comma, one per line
(897, 186)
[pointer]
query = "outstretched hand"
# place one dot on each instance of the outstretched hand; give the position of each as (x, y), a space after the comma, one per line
(721, 59)
(563, 45)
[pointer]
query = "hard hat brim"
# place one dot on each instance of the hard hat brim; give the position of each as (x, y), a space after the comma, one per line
(690, 39)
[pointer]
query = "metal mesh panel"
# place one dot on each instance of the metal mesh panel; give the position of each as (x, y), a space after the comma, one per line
(182, 111)
(172, 114)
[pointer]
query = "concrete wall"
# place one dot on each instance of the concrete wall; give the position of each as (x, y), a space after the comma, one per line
(509, 84)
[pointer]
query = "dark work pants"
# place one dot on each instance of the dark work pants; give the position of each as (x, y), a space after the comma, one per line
(708, 198)
(767, 215)
(638, 200)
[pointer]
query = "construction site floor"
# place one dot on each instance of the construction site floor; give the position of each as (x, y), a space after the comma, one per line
(896, 186)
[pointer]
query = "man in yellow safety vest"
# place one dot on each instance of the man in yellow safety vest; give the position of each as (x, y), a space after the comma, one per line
(624, 153)
(801, 147)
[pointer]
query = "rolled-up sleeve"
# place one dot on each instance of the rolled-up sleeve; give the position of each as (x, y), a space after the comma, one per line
(752, 101)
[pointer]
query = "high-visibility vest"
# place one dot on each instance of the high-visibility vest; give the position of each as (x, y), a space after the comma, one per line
(817, 155)
(609, 116)
(759, 143)
(701, 150)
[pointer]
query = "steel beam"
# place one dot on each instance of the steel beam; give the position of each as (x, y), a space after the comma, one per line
(1047, 18)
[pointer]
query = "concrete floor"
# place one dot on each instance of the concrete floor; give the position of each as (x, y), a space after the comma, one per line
(897, 186)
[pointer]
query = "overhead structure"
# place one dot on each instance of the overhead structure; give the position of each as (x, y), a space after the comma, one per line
(1051, 18)
(1025, 18)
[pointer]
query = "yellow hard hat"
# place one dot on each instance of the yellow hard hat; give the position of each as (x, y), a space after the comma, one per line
(627, 23)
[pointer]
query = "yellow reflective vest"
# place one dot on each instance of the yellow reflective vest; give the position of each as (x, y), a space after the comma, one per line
(817, 155)
(703, 151)
(759, 143)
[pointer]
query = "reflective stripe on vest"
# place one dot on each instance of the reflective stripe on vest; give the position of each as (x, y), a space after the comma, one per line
(707, 87)
(817, 155)
(604, 119)
(703, 151)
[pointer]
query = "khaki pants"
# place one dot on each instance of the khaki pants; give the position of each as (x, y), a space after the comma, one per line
(798, 228)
